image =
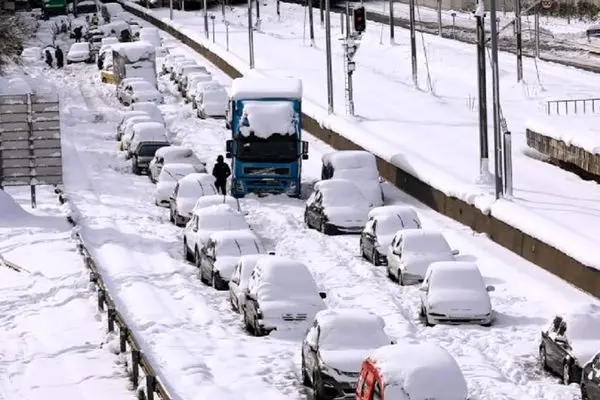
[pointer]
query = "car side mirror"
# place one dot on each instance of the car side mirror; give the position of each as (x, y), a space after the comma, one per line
(490, 288)
(323, 295)
(455, 252)
(227, 155)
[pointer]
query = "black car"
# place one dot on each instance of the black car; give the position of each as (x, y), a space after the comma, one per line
(143, 154)
(590, 380)
(557, 353)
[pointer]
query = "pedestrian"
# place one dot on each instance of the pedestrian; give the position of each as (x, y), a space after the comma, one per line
(48, 58)
(221, 172)
(59, 58)
(94, 19)
(77, 32)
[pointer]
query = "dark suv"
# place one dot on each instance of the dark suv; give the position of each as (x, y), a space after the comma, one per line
(143, 154)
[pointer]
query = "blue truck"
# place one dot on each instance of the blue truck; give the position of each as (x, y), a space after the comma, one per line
(266, 147)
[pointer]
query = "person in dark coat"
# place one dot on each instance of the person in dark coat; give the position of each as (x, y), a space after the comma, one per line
(77, 32)
(59, 58)
(221, 172)
(48, 58)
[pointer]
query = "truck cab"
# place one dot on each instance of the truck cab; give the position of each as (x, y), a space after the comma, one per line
(266, 147)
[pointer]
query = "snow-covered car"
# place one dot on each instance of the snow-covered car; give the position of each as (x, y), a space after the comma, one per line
(206, 220)
(107, 41)
(123, 83)
(411, 252)
(104, 59)
(169, 61)
(335, 347)
(211, 101)
(127, 115)
(79, 52)
(152, 110)
(570, 342)
(406, 371)
(178, 64)
(146, 131)
(128, 126)
(221, 253)
(359, 166)
(138, 91)
(189, 90)
(336, 206)
(281, 292)
(454, 292)
(187, 191)
(31, 55)
(239, 279)
(150, 35)
(167, 181)
(185, 71)
(173, 154)
(144, 151)
(590, 379)
(383, 223)
(95, 43)
(208, 201)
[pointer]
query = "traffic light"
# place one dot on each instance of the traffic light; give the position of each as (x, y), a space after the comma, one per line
(359, 19)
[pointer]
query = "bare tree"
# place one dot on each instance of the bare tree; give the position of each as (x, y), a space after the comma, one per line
(15, 31)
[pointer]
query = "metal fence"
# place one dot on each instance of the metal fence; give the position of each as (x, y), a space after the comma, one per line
(30, 150)
(573, 106)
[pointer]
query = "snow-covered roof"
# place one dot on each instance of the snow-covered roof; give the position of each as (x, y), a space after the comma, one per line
(169, 152)
(197, 177)
(266, 118)
(335, 184)
(150, 128)
(220, 217)
(340, 191)
(222, 209)
(83, 46)
(142, 85)
(179, 169)
(133, 113)
(423, 371)
(208, 201)
(281, 276)
(348, 318)
(422, 240)
(134, 51)
(249, 88)
(137, 119)
(352, 164)
(583, 322)
(150, 108)
(240, 234)
(455, 275)
(338, 329)
(401, 210)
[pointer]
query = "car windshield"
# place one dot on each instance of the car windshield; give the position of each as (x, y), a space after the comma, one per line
(343, 196)
(237, 247)
(169, 174)
(221, 222)
(389, 225)
(426, 244)
(276, 148)
(197, 189)
(148, 150)
(369, 336)
(456, 278)
(142, 86)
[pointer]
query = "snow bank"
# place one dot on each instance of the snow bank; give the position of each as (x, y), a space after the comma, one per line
(577, 130)
(13, 215)
(261, 88)
(266, 118)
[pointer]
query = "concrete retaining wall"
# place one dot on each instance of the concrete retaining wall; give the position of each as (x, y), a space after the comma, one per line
(539, 253)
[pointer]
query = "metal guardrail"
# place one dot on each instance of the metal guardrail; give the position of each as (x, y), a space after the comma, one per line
(116, 321)
(573, 106)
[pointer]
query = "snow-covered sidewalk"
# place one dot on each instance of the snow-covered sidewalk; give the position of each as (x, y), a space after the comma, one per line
(431, 132)
(51, 335)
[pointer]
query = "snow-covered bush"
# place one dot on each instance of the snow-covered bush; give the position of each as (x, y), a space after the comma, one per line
(15, 30)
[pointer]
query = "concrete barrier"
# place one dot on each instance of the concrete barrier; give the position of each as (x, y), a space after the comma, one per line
(513, 239)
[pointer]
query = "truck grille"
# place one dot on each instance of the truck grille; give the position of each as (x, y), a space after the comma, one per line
(265, 183)
(266, 171)
(293, 317)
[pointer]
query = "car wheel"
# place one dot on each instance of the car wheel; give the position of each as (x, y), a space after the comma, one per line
(247, 323)
(543, 360)
(566, 374)
(257, 329)
(216, 281)
(306, 220)
(390, 274)
(232, 303)
(186, 252)
(400, 277)
(171, 219)
(375, 258)
(196, 258)
(584, 393)
(194, 106)
(201, 114)
(325, 229)
(317, 387)
(305, 377)
(134, 167)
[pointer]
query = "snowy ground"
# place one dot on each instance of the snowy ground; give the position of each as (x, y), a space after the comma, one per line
(193, 339)
(432, 131)
(51, 335)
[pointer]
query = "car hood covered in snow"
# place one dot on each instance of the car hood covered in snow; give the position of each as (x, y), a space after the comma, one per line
(459, 301)
(185, 205)
(347, 216)
(345, 360)
(225, 266)
(417, 263)
(302, 308)
(164, 190)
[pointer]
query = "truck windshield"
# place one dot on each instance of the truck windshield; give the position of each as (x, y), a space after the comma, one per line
(274, 149)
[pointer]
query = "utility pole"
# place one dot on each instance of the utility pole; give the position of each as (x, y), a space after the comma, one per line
(328, 57)
(496, 101)
(392, 21)
(311, 22)
(250, 36)
(171, 10)
(439, 16)
(537, 31)
(321, 8)
(413, 42)
(484, 168)
(205, 17)
(519, 33)
(257, 14)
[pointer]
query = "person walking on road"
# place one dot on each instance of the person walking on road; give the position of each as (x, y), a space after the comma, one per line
(221, 172)
(59, 58)
(48, 58)
(77, 32)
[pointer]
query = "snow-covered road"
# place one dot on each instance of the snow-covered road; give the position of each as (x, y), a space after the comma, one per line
(197, 344)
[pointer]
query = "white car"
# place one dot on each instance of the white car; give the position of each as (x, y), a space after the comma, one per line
(205, 221)
(138, 91)
(151, 36)
(79, 52)
(128, 129)
(221, 252)
(413, 371)
(185, 71)
(187, 191)
(167, 181)
(208, 201)
(336, 206)
(454, 292)
(382, 225)
(173, 154)
(31, 55)
(281, 292)
(335, 347)
(146, 131)
(358, 166)
(121, 86)
(127, 115)
(169, 61)
(239, 279)
(109, 40)
(178, 64)
(152, 110)
(191, 81)
(212, 101)
(411, 252)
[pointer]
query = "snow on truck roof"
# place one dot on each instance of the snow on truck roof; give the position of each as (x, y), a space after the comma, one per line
(266, 118)
(261, 88)
(134, 51)
(409, 368)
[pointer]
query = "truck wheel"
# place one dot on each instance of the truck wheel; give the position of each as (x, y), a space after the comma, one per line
(134, 166)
